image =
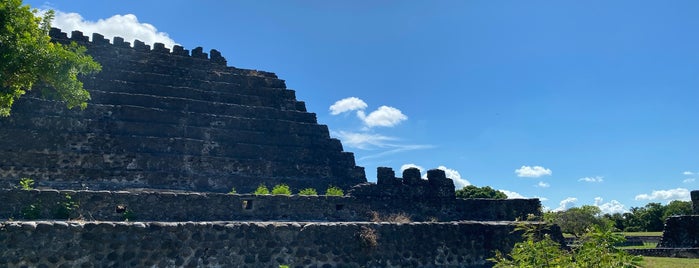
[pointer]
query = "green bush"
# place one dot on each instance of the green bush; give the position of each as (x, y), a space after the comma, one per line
(26, 184)
(281, 189)
(334, 191)
(233, 191)
(261, 189)
(129, 215)
(31, 212)
(595, 249)
(65, 209)
(308, 191)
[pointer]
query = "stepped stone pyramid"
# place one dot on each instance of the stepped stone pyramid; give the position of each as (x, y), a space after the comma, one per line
(176, 120)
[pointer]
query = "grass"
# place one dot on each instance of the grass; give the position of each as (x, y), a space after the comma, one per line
(657, 262)
(642, 233)
(646, 245)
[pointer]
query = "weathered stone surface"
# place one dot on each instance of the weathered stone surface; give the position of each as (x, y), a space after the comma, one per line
(262, 244)
(170, 120)
(181, 206)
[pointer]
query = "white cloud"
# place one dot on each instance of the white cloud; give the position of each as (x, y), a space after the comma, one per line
(689, 180)
(565, 204)
(385, 116)
(364, 141)
(610, 207)
(455, 176)
(592, 179)
(667, 195)
(512, 195)
(543, 185)
(532, 172)
(542, 199)
(346, 105)
(688, 173)
(407, 166)
(125, 26)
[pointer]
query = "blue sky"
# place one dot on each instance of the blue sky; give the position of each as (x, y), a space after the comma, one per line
(574, 102)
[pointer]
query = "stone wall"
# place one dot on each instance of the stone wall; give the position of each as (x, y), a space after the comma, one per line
(172, 206)
(681, 232)
(252, 244)
(171, 120)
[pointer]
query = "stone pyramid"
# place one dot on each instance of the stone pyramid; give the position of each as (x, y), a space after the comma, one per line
(162, 119)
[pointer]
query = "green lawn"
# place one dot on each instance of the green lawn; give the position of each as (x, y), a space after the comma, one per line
(657, 262)
(645, 246)
(642, 233)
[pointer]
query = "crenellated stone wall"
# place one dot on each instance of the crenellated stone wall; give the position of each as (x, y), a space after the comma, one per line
(253, 244)
(177, 120)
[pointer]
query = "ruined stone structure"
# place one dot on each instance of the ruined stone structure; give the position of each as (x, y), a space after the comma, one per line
(683, 231)
(171, 120)
(139, 178)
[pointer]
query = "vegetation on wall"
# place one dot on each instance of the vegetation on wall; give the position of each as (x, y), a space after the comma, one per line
(28, 59)
(334, 191)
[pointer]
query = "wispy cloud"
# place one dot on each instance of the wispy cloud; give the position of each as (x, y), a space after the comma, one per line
(592, 179)
(610, 207)
(542, 184)
(688, 180)
(666, 195)
(565, 204)
(688, 173)
(532, 172)
(375, 142)
(126, 26)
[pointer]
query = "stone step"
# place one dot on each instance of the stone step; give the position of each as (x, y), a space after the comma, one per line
(112, 143)
(168, 113)
(192, 105)
(56, 124)
(37, 113)
(279, 99)
(241, 85)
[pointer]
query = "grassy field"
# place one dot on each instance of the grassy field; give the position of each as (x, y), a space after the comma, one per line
(642, 233)
(645, 246)
(656, 262)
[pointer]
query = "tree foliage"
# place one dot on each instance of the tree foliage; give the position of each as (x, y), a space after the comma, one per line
(28, 59)
(596, 249)
(472, 191)
(649, 218)
(577, 220)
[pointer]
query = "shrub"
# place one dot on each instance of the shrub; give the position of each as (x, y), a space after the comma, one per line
(281, 189)
(396, 217)
(64, 210)
(368, 237)
(129, 215)
(334, 191)
(596, 249)
(308, 191)
(233, 191)
(26, 184)
(261, 189)
(31, 212)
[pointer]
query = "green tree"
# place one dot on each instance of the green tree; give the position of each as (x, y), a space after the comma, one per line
(677, 208)
(578, 220)
(472, 191)
(28, 59)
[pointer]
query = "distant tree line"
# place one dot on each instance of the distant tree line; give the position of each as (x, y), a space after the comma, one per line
(650, 218)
